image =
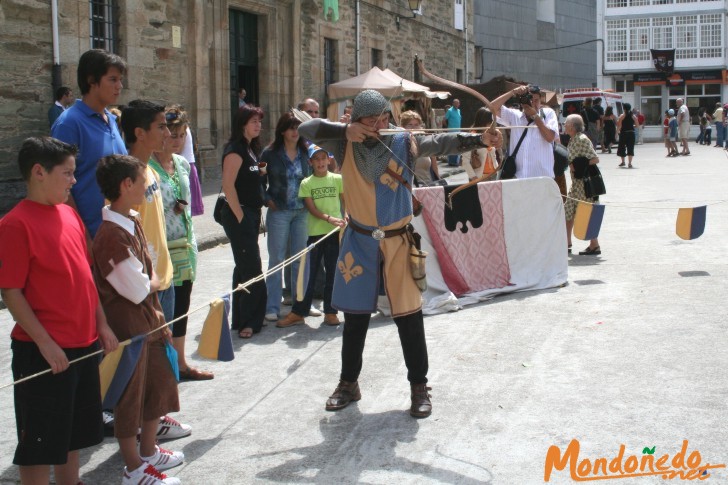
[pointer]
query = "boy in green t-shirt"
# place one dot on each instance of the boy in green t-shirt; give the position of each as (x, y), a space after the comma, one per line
(322, 195)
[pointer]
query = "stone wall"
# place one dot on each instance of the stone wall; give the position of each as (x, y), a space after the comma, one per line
(431, 36)
(196, 73)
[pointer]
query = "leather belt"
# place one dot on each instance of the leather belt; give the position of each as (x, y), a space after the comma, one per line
(378, 234)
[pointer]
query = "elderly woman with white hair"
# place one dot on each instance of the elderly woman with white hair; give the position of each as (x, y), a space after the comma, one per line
(581, 155)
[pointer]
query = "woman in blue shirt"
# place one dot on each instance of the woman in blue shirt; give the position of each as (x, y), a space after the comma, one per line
(287, 165)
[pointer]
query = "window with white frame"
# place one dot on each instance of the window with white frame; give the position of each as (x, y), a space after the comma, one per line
(616, 3)
(686, 37)
(459, 16)
(662, 32)
(711, 35)
(639, 39)
(639, 3)
(616, 40)
(692, 37)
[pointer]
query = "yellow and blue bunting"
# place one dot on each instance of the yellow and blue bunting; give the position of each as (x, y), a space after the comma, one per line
(215, 340)
(117, 368)
(588, 220)
(690, 222)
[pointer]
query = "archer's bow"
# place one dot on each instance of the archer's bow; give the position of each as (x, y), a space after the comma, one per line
(477, 95)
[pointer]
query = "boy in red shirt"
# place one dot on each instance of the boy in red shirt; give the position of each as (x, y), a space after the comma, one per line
(46, 283)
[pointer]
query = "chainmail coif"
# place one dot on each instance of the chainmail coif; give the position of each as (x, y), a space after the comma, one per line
(371, 156)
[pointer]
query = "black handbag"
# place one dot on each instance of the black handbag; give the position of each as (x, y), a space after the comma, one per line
(593, 182)
(219, 204)
(509, 164)
(561, 159)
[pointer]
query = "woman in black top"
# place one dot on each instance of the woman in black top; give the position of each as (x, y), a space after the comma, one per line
(610, 130)
(241, 217)
(625, 124)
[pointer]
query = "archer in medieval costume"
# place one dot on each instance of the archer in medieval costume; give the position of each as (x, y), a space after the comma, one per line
(377, 173)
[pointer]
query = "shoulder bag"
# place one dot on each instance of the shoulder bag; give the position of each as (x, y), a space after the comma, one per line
(219, 204)
(593, 182)
(509, 165)
(561, 156)
(561, 159)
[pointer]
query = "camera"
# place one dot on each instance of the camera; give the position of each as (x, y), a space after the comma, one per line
(528, 96)
(525, 98)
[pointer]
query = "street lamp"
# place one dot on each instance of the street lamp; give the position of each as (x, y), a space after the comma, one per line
(415, 6)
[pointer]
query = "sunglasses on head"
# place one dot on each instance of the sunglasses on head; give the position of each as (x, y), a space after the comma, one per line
(171, 116)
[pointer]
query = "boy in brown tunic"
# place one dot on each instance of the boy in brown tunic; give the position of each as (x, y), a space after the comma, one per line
(127, 287)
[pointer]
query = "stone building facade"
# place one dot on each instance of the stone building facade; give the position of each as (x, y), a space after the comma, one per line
(197, 52)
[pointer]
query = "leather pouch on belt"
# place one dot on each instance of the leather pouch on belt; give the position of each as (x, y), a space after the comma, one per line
(417, 259)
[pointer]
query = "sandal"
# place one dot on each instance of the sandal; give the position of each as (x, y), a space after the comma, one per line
(591, 252)
(621, 164)
(192, 374)
(247, 332)
(629, 166)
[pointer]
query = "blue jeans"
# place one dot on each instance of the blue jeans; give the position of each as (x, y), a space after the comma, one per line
(720, 133)
(166, 299)
(328, 250)
(285, 227)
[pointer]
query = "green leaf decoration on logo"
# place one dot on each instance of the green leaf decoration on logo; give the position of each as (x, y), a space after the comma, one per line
(647, 451)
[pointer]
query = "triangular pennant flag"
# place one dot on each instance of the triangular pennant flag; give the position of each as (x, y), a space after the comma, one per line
(116, 370)
(588, 220)
(172, 358)
(215, 341)
(304, 273)
(690, 222)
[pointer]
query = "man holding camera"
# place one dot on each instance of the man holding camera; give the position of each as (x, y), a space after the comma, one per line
(535, 157)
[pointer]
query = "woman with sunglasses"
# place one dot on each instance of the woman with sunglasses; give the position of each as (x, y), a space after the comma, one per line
(174, 175)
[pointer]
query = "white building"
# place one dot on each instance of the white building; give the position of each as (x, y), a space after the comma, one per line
(694, 28)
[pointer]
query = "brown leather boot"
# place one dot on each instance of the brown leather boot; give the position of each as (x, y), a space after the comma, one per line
(421, 405)
(345, 393)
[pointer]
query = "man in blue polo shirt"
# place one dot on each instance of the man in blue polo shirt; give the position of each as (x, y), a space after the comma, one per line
(90, 126)
(454, 120)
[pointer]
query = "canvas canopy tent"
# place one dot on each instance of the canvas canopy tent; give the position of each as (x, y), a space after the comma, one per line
(414, 88)
(386, 82)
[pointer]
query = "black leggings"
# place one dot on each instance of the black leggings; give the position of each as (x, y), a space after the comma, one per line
(411, 330)
(181, 306)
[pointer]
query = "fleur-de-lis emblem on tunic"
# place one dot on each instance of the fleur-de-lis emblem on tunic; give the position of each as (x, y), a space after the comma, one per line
(347, 268)
(387, 179)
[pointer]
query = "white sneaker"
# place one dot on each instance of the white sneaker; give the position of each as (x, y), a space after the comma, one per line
(314, 312)
(164, 459)
(271, 317)
(147, 475)
(171, 429)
